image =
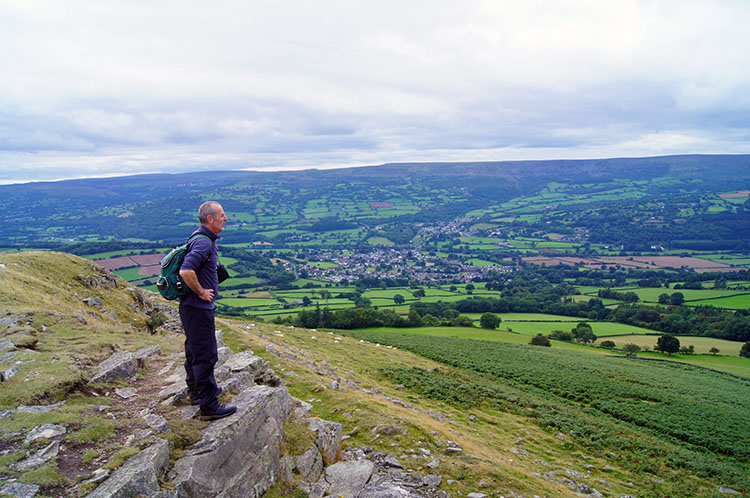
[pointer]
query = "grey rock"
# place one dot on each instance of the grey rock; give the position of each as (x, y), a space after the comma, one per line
(573, 473)
(139, 475)
(239, 455)
(301, 408)
(97, 477)
(348, 478)
(120, 365)
(310, 464)
(391, 461)
(46, 431)
(328, 439)
(126, 392)
(5, 375)
(432, 480)
(728, 491)
(7, 356)
(95, 302)
(143, 354)
(387, 489)
(519, 451)
(476, 495)
(453, 450)
(246, 361)
(20, 489)
(434, 464)
(39, 458)
(587, 490)
(569, 483)
(39, 408)
(158, 423)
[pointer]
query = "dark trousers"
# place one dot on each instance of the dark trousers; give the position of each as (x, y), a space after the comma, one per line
(201, 355)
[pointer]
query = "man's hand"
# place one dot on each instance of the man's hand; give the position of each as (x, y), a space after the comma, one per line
(206, 294)
(191, 279)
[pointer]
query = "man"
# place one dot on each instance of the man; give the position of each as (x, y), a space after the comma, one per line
(198, 271)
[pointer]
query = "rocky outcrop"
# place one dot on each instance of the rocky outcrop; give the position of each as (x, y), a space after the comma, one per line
(239, 456)
(120, 365)
(139, 476)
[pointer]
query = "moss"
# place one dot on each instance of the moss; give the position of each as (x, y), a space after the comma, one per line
(297, 438)
(120, 457)
(90, 456)
(94, 429)
(46, 476)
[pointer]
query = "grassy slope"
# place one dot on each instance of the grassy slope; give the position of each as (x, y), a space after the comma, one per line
(43, 286)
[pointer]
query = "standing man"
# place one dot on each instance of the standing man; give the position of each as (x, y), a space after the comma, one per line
(198, 271)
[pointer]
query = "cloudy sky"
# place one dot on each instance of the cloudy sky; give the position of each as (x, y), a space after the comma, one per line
(102, 88)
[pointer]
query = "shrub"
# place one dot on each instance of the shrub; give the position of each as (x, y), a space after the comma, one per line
(540, 340)
(561, 335)
(607, 344)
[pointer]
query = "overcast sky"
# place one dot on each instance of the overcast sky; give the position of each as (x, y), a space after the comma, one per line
(102, 88)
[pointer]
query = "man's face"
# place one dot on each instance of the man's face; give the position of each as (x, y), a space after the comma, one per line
(216, 223)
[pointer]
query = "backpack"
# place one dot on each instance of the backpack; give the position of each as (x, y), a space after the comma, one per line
(170, 283)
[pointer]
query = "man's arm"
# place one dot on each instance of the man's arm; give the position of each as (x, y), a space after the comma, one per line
(191, 279)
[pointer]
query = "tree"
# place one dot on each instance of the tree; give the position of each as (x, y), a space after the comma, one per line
(631, 349)
(714, 351)
(607, 344)
(398, 299)
(583, 333)
(540, 340)
(664, 298)
(306, 301)
(745, 351)
(668, 344)
(414, 319)
(677, 299)
(418, 293)
(489, 321)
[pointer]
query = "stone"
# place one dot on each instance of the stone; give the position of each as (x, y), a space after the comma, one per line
(391, 461)
(20, 489)
(328, 439)
(728, 491)
(302, 409)
(94, 302)
(432, 480)
(46, 431)
(8, 356)
(39, 458)
(39, 408)
(310, 464)
(246, 361)
(6, 344)
(120, 365)
(476, 495)
(158, 423)
(348, 478)
(434, 464)
(139, 475)
(386, 489)
(143, 354)
(239, 455)
(126, 392)
(8, 373)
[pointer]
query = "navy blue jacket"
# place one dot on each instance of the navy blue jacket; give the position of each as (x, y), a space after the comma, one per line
(202, 258)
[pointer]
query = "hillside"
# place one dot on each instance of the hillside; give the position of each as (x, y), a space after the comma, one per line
(62, 316)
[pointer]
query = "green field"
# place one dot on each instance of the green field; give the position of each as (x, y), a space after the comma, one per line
(642, 410)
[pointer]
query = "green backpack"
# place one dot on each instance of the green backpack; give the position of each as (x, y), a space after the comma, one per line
(170, 283)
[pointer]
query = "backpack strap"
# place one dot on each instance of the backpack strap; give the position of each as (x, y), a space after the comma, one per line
(195, 236)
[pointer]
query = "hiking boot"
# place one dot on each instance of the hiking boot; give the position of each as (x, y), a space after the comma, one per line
(220, 412)
(194, 400)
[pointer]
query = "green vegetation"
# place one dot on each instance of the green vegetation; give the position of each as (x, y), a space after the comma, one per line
(643, 409)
